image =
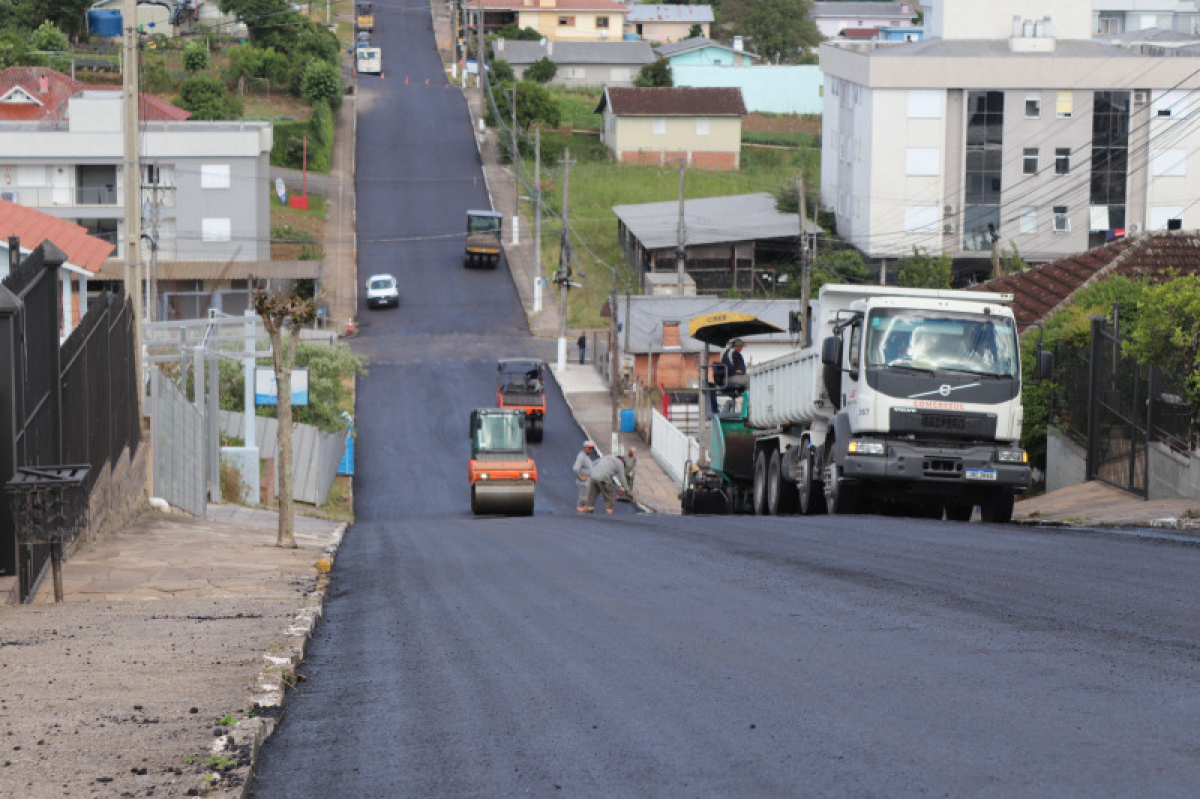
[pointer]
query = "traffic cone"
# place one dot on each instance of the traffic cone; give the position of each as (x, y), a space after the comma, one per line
(350, 327)
(405, 80)
(383, 76)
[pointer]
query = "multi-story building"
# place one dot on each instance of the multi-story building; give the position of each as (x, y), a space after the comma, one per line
(1112, 17)
(1007, 124)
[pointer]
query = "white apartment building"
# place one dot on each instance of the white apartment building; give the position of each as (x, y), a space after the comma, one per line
(1007, 121)
(1111, 17)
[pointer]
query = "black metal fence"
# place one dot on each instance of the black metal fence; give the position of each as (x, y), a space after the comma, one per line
(74, 403)
(1114, 407)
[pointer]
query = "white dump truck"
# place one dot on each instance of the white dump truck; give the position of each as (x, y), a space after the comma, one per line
(908, 401)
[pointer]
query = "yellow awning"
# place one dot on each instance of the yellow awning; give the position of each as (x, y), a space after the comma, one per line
(718, 328)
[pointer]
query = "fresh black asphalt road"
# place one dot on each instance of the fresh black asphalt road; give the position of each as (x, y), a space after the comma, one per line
(643, 655)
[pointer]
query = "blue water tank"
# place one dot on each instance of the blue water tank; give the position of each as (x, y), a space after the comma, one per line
(104, 22)
(628, 420)
(631, 37)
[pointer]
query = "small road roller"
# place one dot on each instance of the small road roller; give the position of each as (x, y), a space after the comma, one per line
(522, 386)
(503, 476)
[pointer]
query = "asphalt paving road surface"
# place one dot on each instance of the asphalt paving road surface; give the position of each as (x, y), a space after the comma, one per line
(645, 655)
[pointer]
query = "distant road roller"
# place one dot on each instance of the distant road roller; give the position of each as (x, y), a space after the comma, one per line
(522, 385)
(502, 474)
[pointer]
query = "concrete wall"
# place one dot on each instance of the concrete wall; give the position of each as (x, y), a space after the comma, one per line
(1172, 474)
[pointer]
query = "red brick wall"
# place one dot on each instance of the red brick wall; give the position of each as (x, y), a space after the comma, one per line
(714, 161)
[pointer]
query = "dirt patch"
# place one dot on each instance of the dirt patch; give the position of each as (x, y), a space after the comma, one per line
(294, 233)
(787, 123)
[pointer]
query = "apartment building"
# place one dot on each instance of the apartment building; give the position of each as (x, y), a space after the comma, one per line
(204, 185)
(1111, 17)
(1007, 124)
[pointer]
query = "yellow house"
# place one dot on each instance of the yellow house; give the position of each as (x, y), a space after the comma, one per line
(556, 20)
(657, 23)
(699, 127)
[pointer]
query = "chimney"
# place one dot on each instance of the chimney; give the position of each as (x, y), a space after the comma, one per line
(739, 43)
(43, 84)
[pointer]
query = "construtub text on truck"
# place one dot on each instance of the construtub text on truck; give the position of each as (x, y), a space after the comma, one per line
(907, 401)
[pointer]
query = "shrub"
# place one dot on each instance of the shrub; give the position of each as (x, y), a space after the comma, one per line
(321, 82)
(48, 37)
(541, 71)
(208, 98)
(195, 57)
(156, 78)
(656, 73)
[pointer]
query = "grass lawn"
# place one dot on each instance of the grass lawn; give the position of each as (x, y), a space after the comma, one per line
(597, 184)
(295, 234)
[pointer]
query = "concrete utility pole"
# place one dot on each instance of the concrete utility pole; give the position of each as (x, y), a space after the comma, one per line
(537, 220)
(516, 165)
(613, 366)
(564, 264)
(479, 45)
(132, 171)
(805, 266)
(680, 252)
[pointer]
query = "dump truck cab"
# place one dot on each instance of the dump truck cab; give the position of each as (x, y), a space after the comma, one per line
(366, 17)
(502, 475)
(522, 386)
(483, 238)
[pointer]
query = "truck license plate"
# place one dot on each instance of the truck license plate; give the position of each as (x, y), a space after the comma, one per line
(981, 474)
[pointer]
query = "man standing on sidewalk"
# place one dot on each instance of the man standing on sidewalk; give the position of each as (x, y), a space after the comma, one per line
(604, 472)
(583, 470)
(582, 344)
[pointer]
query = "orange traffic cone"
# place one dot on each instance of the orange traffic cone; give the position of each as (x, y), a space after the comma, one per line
(350, 327)
(405, 80)
(383, 76)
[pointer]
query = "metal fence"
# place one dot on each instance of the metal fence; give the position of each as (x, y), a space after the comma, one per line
(315, 454)
(74, 403)
(180, 446)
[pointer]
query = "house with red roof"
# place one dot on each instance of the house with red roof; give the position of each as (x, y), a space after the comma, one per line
(1041, 290)
(204, 185)
(699, 127)
(85, 253)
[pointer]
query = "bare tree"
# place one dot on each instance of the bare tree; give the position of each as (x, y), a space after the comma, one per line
(283, 316)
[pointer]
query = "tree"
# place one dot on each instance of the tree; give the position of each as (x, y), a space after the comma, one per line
(262, 17)
(534, 104)
(655, 74)
(781, 30)
(500, 71)
(207, 98)
(696, 31)
(284, 315)
(541, 71)
(321, 81)
(195, 57)
(14, 49)
(1166, 333)
(513, 33)
(49, 38)
(156, 78)
(921, 271)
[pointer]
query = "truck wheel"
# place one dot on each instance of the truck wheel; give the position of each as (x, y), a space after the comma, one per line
(810, 497)
(760, 484)
(997, 509)
(781, 494)
(534, 431)
(841, 498)
(959, 513)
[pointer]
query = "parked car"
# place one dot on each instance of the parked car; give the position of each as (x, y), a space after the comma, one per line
(382, 291)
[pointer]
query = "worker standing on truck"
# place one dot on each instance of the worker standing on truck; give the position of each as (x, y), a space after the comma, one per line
(735, 368)
(604, 472)
(583, 470)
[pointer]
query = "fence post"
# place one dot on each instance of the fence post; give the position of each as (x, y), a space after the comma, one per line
(1094, 372)
(10, 307)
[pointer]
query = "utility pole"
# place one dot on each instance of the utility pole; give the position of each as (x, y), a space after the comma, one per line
(564, 264)
(805, 266)
(680, 252)
(132, 172)
(152, 283)
(612, 364)
(516, 166)
(479, 45)
(537, 220)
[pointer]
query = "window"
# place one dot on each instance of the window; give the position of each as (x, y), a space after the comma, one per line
(1029, 162)
(566, 22)
(924, 104)
(214, 176)
(1161, 215)
(1033, 105)
(1062, 160)
(601, 22)
(921, 219)
(212, 229)
(1064, 107)
(1062, 222)
(701, 126)
(1029, 219)
(922, 160)
(658, 126)
(855, 344)
(1168, 163)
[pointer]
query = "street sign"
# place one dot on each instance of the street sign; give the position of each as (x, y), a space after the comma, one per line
(266, 391)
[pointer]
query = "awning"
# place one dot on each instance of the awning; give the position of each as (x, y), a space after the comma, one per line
(220, 270)
(718, 328)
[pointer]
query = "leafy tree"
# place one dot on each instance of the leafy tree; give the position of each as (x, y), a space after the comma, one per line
(541, 71)
(839, 266)
(1166, 333)
(283, 317)
(655, 74)
(322, 81)
(924, 271)
(781, 30)
(696, 31)
(245, 61)
(513, 33)
(14, 49)
(195, 57)
(49, 38)
(264, 18)
(208, 98)
(500, 72)
(534, 104)
(69, 16)
(316, 41)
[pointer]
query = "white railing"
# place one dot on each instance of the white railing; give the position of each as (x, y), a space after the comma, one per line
(671, 447)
